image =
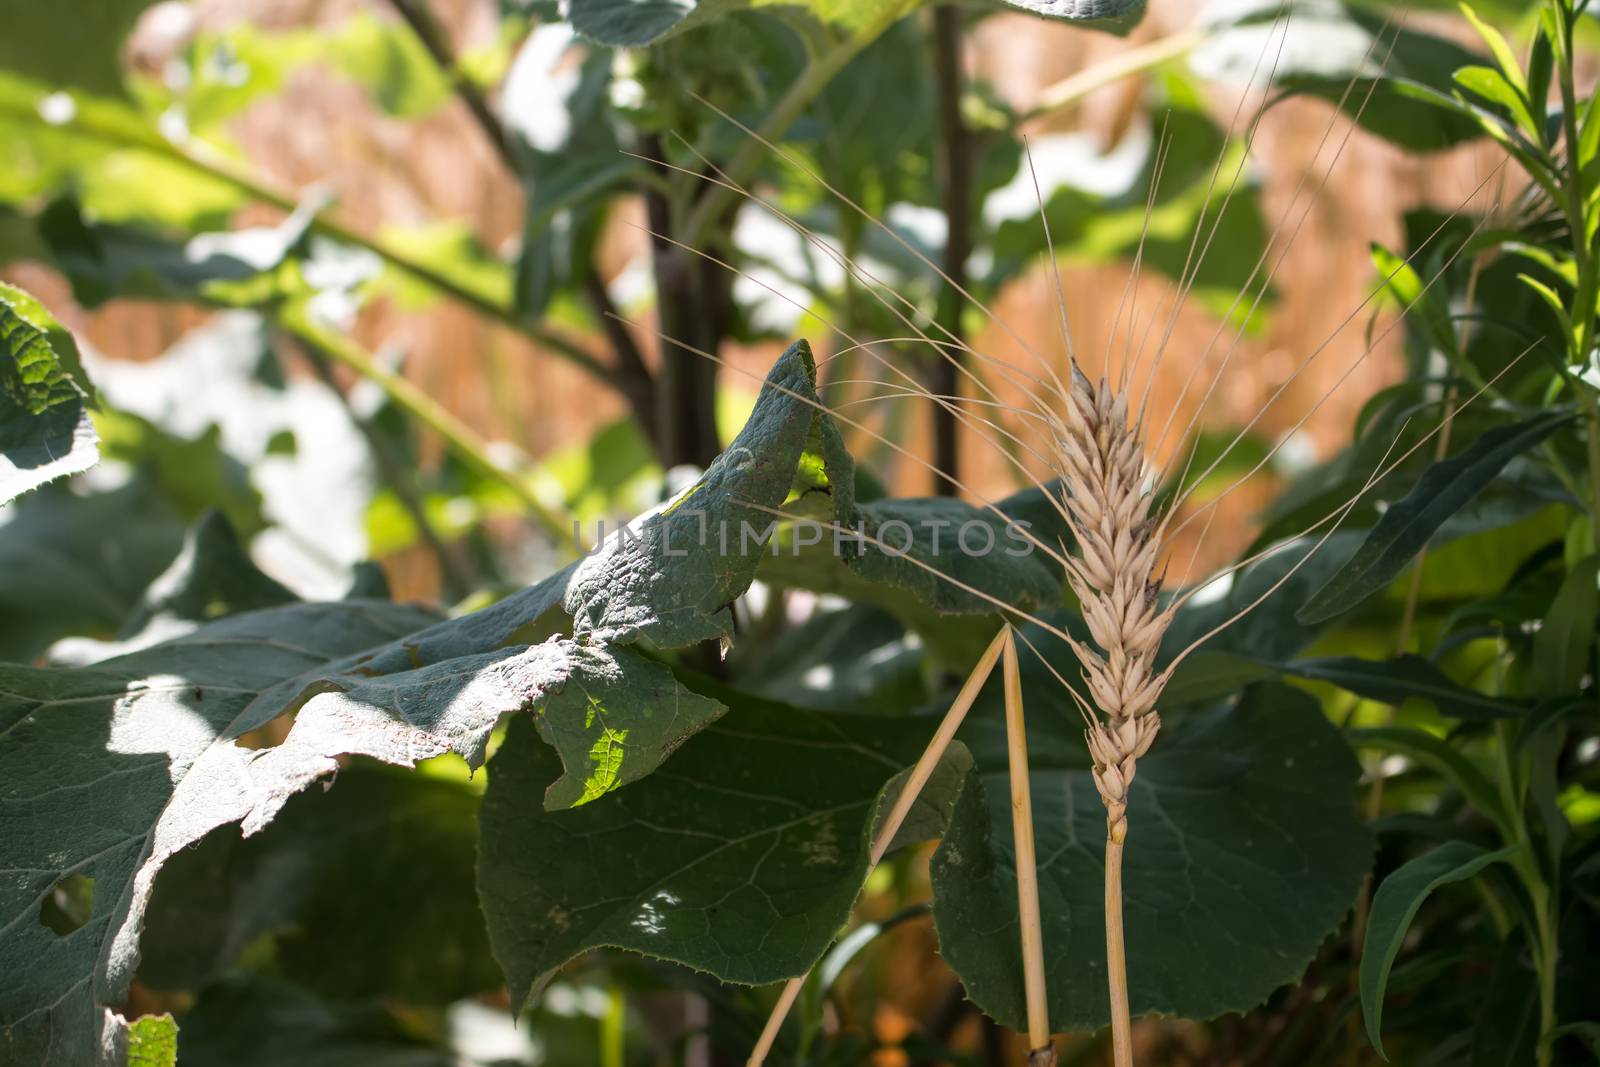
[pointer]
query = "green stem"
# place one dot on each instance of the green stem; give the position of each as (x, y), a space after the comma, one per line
(1525, 863)
(1584, 297)
(1069, 91)
(466, 444)
(613, 1032)
(818, 73)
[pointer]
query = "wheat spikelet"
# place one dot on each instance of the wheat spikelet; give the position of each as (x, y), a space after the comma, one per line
(1109, 499)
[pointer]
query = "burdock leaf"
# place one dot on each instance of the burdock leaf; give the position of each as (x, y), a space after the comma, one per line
(105, 772)
(617, 718)
(1244, 849)
(364, 889)
(148, 1041)
(60, 575)
(45, 432)
(671, 575)
(108, 771)
(1394, 906)
(742, 857)
(1406, 527)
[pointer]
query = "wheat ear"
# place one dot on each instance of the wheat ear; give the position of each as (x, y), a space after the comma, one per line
(1109, 498)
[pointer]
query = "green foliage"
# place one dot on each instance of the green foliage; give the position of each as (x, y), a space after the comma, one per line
(333, 882)
(1245, 823)
(742, 860)
(561, 788)
(1406, 527)
(45, 432)
(1396, 904)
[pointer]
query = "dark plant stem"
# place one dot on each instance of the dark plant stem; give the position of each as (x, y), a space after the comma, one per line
(692, 303)
(634, 379)
(956, 170)
(415, 14)
(631, 377)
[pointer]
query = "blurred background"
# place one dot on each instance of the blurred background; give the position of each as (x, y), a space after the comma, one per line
(340, 104)
(388, 281)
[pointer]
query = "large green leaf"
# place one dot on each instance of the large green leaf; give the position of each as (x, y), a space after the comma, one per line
(671, 576)
(364, 678)
(107, 771)
(928, 559)
(1409, 524)
(168, 725)
(857, 658)
(742, 858)
(364, 889)
(1244, 853)
(59, 573)
(45, 432)
(1393, 907)
(79, 50)
(1256, 607)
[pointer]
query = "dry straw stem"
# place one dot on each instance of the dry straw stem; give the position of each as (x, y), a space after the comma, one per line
(915, 781)
(1041, 1051)
(1108, 486)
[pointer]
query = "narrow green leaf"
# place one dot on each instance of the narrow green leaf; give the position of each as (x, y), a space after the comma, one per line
(1350, 55)
(1510, 69)
(56, 579)
(1426, 304)
(1405, 677)
(1587, 1033)
(164, 725)
(45, 432)
(1443, 758)
(1492, 86)
(1564, 645)
(1406, 527)
(1394, 906)
(1552, 300)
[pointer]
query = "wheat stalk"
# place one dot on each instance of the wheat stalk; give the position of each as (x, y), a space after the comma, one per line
(896, 817)
(1109, 498)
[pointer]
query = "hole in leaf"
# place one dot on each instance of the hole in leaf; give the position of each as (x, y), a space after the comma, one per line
(68, 905)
